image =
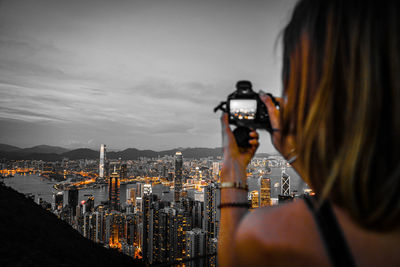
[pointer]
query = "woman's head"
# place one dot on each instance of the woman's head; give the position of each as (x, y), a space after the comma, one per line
(341, 77)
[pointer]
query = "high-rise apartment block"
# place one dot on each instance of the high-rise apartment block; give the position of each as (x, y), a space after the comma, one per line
(265, 194)
(178, 176)
(196, 246)
(254, 199)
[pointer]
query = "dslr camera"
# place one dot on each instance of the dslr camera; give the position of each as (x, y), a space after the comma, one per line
(247, 111)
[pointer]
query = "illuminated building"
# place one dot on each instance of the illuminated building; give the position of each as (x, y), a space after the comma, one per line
(178, 176)
(147, 200)
(138, 230)
(254, 199)
(196, 246)
(215, 170)
(211, 213)
(102, 161)
(181, 225)
(265, 194)
(155, 234)
(113, 190)
(115, 229)
(131, 196)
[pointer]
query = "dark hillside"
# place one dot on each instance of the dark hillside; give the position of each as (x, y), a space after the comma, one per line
(32, 236)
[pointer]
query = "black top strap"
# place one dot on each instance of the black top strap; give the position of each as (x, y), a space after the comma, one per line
(331, 234)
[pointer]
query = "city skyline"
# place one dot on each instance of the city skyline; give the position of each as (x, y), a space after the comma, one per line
(131, 73)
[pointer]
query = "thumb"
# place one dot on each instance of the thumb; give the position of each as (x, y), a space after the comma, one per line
(227, 135)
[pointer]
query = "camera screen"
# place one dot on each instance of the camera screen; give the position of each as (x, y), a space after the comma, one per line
(243, 109)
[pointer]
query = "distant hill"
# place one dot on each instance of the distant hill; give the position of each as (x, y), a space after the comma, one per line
(8, 148)
(44, 149)
(50, 153)
(81, 153)
(32, 236)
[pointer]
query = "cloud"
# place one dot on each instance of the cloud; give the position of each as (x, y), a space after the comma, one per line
(25, 114)
(129, 73)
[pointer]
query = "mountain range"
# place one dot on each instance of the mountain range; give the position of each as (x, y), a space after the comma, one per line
(55, 153)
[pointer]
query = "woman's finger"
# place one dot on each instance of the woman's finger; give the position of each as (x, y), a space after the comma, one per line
(253, 142)
(254, 135)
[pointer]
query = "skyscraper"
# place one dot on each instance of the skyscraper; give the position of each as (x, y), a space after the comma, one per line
(113, 190)
(265, 192)
(73, 199)
(196, 246)
(181, 225)
(102, 160)
(211, 213)
(178, 176)
(285, 184)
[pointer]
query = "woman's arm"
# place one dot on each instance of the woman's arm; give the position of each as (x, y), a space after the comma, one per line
(234, 170)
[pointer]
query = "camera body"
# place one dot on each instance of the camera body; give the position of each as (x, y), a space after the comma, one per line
(245, 108)
(247, 111)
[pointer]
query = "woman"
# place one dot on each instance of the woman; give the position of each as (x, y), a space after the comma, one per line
(340, 120)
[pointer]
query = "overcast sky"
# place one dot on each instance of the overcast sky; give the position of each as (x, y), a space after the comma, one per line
(127, 73)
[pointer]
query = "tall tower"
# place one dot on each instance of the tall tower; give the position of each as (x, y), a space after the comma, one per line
(102, 160)
(113, 190)
(178, 176)
(212, 215)
(265, 192)
(285, 182)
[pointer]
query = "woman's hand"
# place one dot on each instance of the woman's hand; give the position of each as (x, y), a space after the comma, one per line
(236, 158)
(288, 148)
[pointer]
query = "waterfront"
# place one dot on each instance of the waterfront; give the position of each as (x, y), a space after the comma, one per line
(43, 187)
(34, 184)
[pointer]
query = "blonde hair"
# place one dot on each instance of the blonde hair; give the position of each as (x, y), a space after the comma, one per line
(341, 77)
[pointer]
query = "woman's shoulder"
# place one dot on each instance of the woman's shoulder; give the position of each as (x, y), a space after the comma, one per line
(284, 234)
